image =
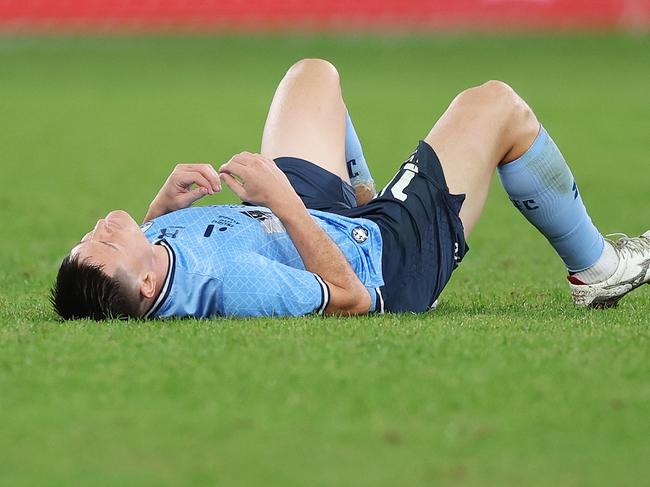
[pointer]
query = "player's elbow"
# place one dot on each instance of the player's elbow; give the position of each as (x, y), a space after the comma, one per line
(348, 302)
(362, 305)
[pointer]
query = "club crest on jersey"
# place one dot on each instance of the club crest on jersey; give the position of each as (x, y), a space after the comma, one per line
(360, 234)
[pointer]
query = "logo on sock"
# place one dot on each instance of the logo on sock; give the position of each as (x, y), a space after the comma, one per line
(351, 172)
(525, 204)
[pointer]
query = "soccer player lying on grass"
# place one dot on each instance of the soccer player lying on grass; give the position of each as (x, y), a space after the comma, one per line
(308, 245)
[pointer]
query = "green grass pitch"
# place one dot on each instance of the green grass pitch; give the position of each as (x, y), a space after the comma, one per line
(505, 384)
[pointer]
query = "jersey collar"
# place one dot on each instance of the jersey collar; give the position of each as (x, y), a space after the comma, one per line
(167, 284)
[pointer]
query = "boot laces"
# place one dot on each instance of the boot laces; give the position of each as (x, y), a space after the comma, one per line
(631, 245)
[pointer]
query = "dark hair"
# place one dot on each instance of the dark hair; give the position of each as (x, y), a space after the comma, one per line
(85, 291)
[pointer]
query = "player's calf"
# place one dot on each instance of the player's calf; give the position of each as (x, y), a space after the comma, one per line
(542, 187)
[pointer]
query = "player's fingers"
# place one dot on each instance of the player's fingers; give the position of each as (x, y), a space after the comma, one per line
(264, 160)
(210, 175)
(190, 166)
(194, 195)
(237, 171)
(238, 178)
(233, 184)
(235, 165)
(242, 159)
(208, 172)
(194, 177)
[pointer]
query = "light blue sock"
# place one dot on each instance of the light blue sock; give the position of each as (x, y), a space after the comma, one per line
(357, 166)
(541, 186)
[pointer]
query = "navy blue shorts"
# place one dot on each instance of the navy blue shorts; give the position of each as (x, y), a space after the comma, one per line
(318, 188)
(423, 238)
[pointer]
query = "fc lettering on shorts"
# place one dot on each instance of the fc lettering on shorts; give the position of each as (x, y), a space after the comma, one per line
(408, 172)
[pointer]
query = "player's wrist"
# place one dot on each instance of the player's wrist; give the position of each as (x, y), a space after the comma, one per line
(288, 208)
(155, 210)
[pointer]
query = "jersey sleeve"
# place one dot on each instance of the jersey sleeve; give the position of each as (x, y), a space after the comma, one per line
(258, 286)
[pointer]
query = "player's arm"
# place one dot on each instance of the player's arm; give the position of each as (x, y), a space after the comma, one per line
(186, 184)
(256, 179)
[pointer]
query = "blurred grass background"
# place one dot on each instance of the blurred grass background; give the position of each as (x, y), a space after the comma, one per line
(506, 384)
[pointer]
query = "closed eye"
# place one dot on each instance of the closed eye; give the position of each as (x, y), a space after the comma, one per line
(109, 244)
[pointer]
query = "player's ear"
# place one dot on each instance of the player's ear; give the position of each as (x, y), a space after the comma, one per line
(148, 285)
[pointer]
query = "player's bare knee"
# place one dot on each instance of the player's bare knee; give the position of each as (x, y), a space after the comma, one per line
(496, 89)
(511, 113)
(314, 68)
(519, 119)
(497, 95)
(506, 107)
(491, 94)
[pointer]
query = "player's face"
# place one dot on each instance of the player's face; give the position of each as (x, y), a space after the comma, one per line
(116, 242)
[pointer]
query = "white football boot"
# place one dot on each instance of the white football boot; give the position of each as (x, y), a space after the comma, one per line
(633, 270)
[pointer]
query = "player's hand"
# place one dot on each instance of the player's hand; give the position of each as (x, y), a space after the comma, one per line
(256, 179)
(186, 184)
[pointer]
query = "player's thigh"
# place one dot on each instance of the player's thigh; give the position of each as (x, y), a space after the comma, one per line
(307, 117)
(483, 127)
(469, 143)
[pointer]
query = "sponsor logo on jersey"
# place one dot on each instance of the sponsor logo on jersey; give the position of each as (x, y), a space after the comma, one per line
(171, 231)
(221, 224)
(269, 221)
(225, 221)
(360, 234)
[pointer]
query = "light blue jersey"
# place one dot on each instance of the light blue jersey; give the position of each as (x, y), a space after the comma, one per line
(236, 260)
